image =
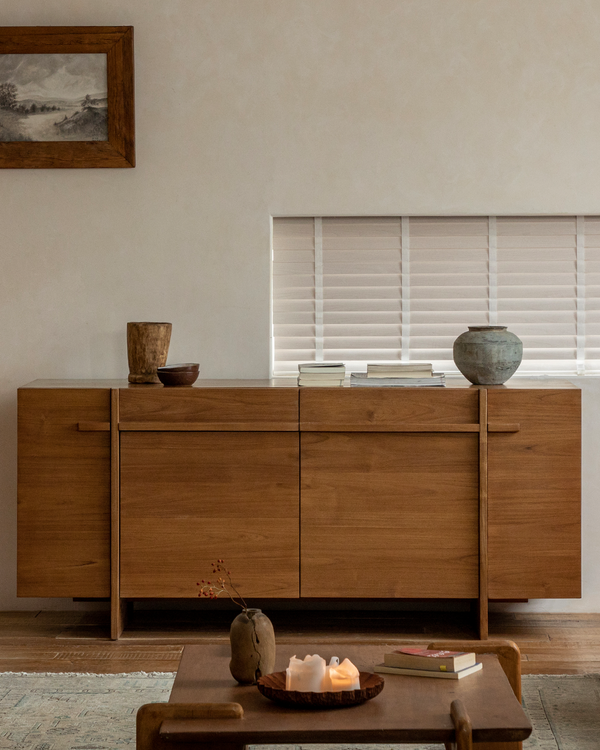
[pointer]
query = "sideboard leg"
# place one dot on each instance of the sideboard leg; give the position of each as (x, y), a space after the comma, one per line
(118, 618)
(117, 605)
(483, 514)
(483, 620)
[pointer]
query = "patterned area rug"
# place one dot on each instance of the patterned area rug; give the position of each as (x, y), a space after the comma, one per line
(97, 712)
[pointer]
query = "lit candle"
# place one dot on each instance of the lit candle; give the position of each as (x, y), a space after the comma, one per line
(306, 676)
(344, 677)
(326, 686)
(312, 676)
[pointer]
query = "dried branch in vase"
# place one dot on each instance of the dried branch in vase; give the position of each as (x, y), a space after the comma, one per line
(223, 585)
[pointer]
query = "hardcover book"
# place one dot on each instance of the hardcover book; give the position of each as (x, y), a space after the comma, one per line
(321, 367)
(437, 379)
(429, 672)
(320, 383)
(400, 370)
(434, 659)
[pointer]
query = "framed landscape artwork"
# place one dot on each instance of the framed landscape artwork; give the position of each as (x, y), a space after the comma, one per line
(66, 97)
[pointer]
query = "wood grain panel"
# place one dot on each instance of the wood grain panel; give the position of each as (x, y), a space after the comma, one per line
(534, 495)
(63, 494)
(389, 427)
(335, 408)
(188, 498)
(219, 405)
(389, 515)
(208, 426)
(167, 557)
(216, 475)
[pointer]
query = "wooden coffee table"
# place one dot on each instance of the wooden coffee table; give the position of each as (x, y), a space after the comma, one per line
(409, 709)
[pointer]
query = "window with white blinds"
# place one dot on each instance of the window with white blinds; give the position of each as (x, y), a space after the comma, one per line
(387, 289)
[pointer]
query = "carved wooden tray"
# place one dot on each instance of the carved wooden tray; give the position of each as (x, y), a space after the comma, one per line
(273, 686)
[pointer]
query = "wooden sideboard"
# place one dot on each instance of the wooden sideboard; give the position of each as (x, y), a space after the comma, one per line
(464, 492)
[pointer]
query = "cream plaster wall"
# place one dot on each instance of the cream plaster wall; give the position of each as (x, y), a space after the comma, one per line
(253, 108)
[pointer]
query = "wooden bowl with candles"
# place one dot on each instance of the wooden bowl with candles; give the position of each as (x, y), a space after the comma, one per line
(272, 686)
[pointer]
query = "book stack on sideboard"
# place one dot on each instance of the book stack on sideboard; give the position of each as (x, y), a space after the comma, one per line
(321, 374)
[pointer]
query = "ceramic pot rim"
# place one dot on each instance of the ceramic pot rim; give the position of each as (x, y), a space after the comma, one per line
(488, 328)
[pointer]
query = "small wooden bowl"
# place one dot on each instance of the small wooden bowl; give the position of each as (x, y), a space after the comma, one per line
(273, 686)
(185, 374)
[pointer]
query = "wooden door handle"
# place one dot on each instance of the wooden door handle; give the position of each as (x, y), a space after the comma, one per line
(503, 427)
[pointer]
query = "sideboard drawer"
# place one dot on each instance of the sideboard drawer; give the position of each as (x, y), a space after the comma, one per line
(231, 409)
(411, 409)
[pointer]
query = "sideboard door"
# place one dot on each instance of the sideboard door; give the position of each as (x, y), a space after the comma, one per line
(534, 494)
(189, 498)
(63, 539)
(389, 513)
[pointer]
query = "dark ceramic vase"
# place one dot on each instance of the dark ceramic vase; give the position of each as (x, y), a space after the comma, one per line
(252, 646)
(488, 355)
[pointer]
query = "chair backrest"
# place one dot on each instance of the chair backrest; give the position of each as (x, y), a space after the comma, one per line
(150, 717)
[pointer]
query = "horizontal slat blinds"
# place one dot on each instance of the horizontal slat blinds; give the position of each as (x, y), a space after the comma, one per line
(448, 284)
(361, 289)
(359, 318)
(592, 292)
(537, 288)
(384, 289)
(293, 293)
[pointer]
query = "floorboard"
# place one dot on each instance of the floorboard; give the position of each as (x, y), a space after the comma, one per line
(153, 641)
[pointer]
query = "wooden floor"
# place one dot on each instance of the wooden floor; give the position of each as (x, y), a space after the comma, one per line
(153, 641)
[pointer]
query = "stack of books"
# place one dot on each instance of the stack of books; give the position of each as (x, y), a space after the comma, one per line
(410, 375)
(322, 374)
(422, 662)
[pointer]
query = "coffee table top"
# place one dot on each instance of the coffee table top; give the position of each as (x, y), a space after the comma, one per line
(409, 709)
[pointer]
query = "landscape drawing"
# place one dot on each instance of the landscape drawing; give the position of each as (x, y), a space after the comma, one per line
(53, 97)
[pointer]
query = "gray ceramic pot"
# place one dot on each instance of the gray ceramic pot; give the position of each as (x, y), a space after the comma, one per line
(488, 355)
(252, 646)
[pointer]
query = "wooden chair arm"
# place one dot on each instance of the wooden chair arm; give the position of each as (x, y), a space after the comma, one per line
(150, 717)
(462, 726)
(509, 658)
(508, 654)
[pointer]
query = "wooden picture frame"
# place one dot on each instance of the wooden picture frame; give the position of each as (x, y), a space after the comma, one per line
(119, 149)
